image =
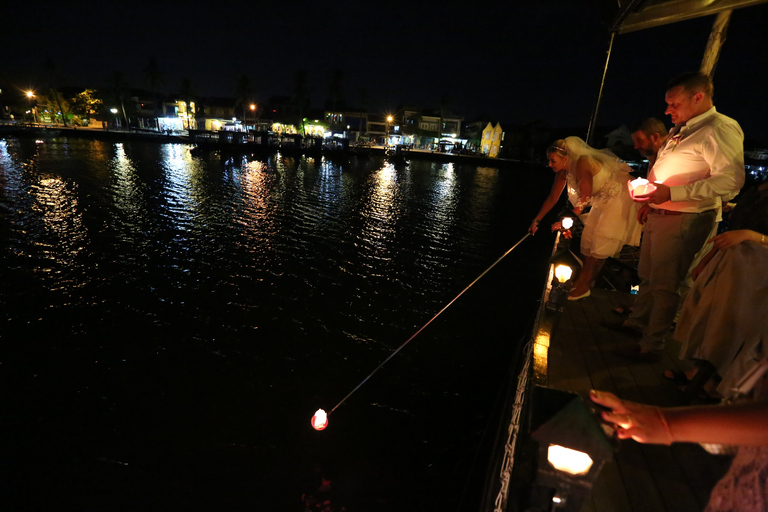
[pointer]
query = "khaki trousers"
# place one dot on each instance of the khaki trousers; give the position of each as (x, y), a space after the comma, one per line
(670, 243)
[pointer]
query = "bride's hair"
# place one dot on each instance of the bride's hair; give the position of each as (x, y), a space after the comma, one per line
(558, 147)
(575, 149)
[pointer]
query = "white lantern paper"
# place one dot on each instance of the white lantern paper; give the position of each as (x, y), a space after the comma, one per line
(640, 186)
(320, 420)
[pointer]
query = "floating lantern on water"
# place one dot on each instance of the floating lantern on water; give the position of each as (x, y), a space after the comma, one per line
(640, 186)
(320, 420)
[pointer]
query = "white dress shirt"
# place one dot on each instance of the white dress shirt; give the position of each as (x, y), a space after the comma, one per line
(702, 161)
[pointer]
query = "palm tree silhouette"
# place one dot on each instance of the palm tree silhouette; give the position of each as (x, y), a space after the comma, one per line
(155, 77)
(243, 95)
(301, 96)
(119, 89)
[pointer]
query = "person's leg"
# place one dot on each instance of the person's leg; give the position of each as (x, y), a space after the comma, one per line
(687, 283)
(596, 269)
(676, 240)
(641, 309)
(584, 280)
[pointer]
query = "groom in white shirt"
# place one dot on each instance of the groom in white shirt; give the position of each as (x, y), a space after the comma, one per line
(701, 161)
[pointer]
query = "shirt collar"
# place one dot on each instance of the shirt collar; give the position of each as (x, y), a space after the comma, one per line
(701, 117)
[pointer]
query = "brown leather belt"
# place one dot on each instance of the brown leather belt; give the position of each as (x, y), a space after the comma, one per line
(659, 211)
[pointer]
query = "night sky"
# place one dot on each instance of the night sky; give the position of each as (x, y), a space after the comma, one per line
(515, 62)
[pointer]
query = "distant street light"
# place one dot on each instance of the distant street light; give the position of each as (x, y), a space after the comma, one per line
(114, 111)
(253, 111)
(33, 108)
(389, 122)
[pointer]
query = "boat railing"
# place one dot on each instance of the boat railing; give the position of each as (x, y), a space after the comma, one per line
(533, 371)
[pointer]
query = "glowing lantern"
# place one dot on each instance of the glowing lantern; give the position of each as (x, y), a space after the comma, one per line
(640, 186)
(563, 273)
(573, 447)
(567, 222)
(570, 461)
(320, 420)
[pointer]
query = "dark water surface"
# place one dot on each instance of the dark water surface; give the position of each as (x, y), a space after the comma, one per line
(170, 323)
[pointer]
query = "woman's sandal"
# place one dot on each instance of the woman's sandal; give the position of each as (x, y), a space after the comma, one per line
(676, 376)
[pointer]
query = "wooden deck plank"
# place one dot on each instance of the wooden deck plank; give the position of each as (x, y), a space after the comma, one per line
(608, 492)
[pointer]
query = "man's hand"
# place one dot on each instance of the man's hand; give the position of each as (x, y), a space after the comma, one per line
(658, 196)
(642, 213)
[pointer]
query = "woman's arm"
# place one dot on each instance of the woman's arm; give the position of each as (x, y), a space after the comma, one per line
(736, 424)
(730, 238)
(554, 194)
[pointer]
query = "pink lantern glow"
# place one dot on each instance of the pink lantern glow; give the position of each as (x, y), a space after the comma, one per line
(640, 186)
(320, 420)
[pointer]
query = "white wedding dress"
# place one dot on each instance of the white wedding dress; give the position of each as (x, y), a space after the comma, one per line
(612, 221)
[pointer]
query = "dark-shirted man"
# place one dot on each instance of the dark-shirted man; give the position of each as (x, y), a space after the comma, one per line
(649, 136)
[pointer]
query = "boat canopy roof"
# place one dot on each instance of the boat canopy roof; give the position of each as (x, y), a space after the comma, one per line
(633, 15)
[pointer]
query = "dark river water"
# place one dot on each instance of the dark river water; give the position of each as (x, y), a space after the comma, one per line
(169, 324)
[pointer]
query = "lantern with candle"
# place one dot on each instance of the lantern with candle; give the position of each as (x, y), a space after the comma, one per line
(573, 446)
(563, 273)
(564, 262)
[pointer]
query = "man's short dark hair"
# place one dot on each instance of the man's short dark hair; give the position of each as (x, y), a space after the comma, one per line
(693, 82)
(650, 126)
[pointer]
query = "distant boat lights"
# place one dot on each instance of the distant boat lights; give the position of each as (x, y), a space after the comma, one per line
(320, 420)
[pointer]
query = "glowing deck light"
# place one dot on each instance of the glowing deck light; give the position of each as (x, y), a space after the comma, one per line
(563, 273)
(320, 420)
(640, 186)
(567, 222)
(570, 461)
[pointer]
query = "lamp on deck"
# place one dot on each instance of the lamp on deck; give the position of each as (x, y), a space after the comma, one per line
(565, 263)
(573, 446)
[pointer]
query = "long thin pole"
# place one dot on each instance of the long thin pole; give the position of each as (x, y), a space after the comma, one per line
(593, 121)
(715, 43)
(393, 354)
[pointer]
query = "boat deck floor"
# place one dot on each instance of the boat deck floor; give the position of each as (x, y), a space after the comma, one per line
(641, 478)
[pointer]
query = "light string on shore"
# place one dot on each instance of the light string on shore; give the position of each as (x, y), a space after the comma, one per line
(320, 419)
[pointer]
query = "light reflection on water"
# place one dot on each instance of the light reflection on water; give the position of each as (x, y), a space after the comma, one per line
(144, 286)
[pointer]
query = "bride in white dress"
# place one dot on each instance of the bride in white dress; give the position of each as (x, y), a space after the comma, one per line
(595, 178)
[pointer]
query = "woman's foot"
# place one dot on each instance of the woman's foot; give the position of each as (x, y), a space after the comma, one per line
(677, 376)
(574, 295)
